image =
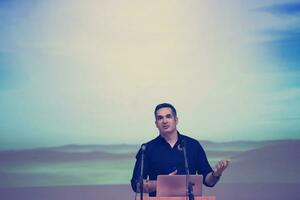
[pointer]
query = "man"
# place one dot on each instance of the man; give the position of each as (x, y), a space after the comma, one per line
(163, 155)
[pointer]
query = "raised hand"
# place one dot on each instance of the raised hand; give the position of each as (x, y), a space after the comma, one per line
(220, 167)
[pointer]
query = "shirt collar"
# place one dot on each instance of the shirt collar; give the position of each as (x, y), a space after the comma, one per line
(179, 137)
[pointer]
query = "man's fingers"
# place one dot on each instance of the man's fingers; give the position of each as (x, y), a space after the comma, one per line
(221, 166)
(225, 163)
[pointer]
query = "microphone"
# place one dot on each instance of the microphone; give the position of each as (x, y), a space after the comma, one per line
(181, 145)
(189, 184)
(143, 148)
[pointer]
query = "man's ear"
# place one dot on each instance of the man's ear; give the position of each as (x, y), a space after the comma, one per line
(156, 124)
(176, 119)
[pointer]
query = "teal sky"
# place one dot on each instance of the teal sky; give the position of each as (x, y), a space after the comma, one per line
(89, 72)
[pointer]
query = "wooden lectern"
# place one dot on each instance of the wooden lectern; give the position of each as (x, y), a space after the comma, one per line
(168, 195)
(178, 198)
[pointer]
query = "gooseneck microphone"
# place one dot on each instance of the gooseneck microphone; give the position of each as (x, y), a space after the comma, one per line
(141, 182)
(189, 185)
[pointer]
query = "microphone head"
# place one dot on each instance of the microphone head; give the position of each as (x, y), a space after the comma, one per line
(179, 147)
(143, 148)
(182, 142)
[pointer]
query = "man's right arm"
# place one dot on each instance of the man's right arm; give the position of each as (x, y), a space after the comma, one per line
(137, 173)
(148, 186)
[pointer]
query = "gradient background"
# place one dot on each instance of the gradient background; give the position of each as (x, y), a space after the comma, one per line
(91, 72)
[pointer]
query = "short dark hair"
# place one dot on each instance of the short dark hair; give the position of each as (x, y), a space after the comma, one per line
(165, 105)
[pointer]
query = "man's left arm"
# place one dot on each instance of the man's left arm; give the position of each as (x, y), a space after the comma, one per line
(213, 177)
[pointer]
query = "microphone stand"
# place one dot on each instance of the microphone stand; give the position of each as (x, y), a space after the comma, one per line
(141, 182)
(189, 184)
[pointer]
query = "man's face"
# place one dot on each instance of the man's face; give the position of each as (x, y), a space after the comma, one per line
(166, 121)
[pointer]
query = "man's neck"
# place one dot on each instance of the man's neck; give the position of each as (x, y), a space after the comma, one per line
(171, 138)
